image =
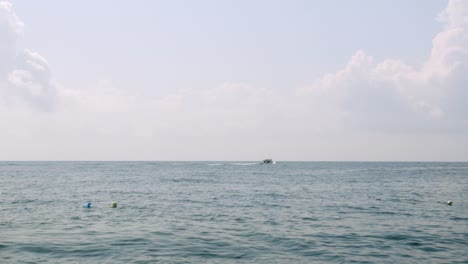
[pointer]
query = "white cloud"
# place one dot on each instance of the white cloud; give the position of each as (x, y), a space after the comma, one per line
(10, 28)
(10, 20)
(395, 96)
(358, 112)
(455, 15)
(25, 77)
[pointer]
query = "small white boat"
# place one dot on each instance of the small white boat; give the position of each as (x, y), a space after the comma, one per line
(267, 161)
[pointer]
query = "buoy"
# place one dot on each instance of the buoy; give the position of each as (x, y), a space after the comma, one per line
(87, 205)
(449, 202)
(114, 204)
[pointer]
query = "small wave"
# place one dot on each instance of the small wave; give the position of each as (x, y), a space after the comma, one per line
(24, 201)
(309, 219)
(396, 237)
(37, 249)
(244, 164)
(130, 242)
(456, 218)
(192, 180)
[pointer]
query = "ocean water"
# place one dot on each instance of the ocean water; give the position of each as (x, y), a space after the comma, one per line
(233, 212)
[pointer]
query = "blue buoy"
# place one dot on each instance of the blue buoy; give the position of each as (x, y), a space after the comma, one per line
(87, 205)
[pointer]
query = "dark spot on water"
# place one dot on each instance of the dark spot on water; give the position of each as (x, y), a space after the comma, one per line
(429, 249)
(357, 208)
(131, 242)
(162, 233)
(385, 213)
(414, 243)
(23, 201)
(396, 237)
(36, 249)
(456, 218)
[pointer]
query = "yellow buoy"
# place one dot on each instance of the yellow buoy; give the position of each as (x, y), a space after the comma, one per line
(449, 202)
(114, 204)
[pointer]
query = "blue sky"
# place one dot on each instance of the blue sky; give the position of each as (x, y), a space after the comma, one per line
(163, 45)
(233, 80)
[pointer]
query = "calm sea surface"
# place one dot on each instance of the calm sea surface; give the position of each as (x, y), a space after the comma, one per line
(233, 212)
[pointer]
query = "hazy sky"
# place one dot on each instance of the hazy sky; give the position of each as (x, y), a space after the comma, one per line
(234, 80)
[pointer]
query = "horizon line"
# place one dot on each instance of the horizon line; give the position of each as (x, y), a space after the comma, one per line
(350, 161)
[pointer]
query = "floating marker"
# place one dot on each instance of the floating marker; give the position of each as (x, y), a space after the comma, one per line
(114, 204)
(87, 205)
(449, 202)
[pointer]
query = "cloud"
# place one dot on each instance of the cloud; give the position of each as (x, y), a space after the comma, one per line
(392, 95)
(10, 28)
(25, 76)
(357, 112)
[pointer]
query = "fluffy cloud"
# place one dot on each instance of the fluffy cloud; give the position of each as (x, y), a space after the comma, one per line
(25, 77)
(386, 110)
(392, 95)
(10, 28)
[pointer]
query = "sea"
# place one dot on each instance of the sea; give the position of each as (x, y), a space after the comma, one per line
(233, 212)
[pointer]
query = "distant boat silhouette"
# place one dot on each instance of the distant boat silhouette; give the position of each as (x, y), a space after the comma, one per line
(267, 161)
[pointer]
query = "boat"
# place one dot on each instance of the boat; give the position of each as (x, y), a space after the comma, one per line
(267, 161)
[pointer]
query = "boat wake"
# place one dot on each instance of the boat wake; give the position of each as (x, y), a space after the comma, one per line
(244, 164)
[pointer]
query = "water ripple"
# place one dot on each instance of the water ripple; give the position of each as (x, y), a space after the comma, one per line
(233, 212)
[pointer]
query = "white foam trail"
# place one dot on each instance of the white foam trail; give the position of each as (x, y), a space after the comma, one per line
(244, 164)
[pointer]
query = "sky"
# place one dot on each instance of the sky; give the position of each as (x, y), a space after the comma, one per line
(234, 80)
